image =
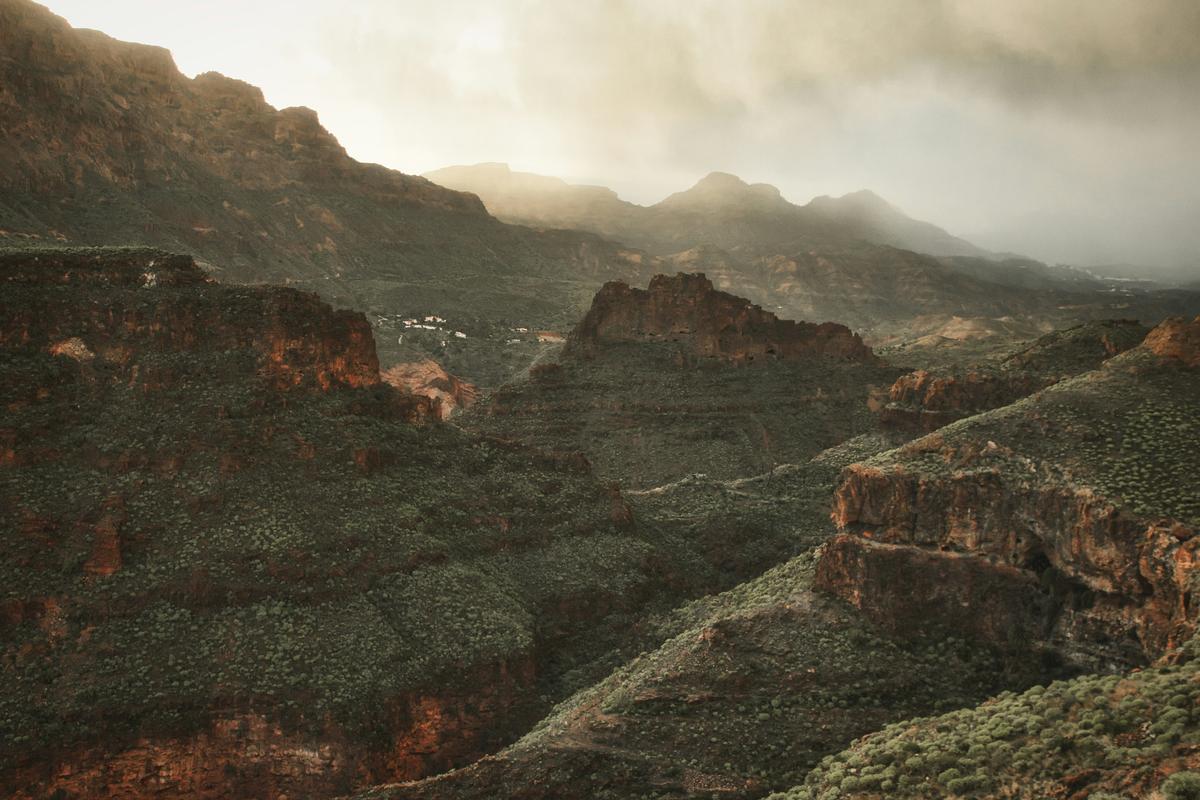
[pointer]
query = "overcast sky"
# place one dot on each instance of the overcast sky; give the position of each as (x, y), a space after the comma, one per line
(1066, 129)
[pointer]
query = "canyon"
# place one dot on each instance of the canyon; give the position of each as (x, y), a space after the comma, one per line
(319, 479)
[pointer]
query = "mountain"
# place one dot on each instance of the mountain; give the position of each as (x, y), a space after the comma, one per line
(541, 201)
(654, 384)
(239, 563)
(721, 210)
(106, 142)
(855, 260)
(1091, 551)
(866, 215)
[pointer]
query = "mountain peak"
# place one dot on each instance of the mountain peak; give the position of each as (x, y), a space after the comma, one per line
(718, 189)
(864, 200)
(865, 197)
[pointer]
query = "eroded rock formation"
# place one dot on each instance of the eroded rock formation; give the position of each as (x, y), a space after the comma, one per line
(925, 400)
(1021, 542)
(428, 379)
(145, 302)
(250, 755)
(1177, 339)
(687, 310)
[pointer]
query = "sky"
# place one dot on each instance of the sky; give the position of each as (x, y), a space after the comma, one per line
(1063, 129)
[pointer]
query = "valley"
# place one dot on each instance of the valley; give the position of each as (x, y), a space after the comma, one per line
(322, 480)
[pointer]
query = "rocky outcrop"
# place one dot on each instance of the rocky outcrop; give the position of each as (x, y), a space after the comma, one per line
(1017, 545)
(249, 755)
(428, 379)
(924, 400)
(685, 310)
(1176, 339)
(146, 302)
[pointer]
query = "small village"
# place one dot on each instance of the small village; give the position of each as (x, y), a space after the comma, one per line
(438, 324)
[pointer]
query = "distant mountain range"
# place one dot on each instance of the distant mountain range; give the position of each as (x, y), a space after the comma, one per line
(854, 259)
(721, 210)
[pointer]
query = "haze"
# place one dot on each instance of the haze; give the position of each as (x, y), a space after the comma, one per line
(1065, 130)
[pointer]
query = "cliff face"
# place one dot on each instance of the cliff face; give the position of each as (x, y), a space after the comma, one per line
(925, 400)
(1046, 522)
(249, 755)
(1177, 339)
(150, 302)
(687, 310)
(428, 379)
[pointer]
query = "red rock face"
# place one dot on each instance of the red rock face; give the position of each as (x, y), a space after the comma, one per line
(303, 340)
(687, 310)
(245, 755)
(1176, 339)
(427, 378)
(149, 302)
(1011, 560)
(924, 401)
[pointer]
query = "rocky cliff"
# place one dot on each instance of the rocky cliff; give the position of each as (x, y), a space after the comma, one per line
(1177, 339)
(146, 301)
(428, 379)
(687, 311)
(925, 400)
(1067, 520)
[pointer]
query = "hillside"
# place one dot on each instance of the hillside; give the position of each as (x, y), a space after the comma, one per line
(239, 563)
(107, 143)
(740, 693)
(922, 608)
(928, 399)
(679, 378)
(1109, 737)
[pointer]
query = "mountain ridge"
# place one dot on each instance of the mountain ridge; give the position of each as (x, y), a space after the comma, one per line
(519, 197)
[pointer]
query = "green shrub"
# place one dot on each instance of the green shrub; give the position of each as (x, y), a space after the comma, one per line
(1182, 786)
